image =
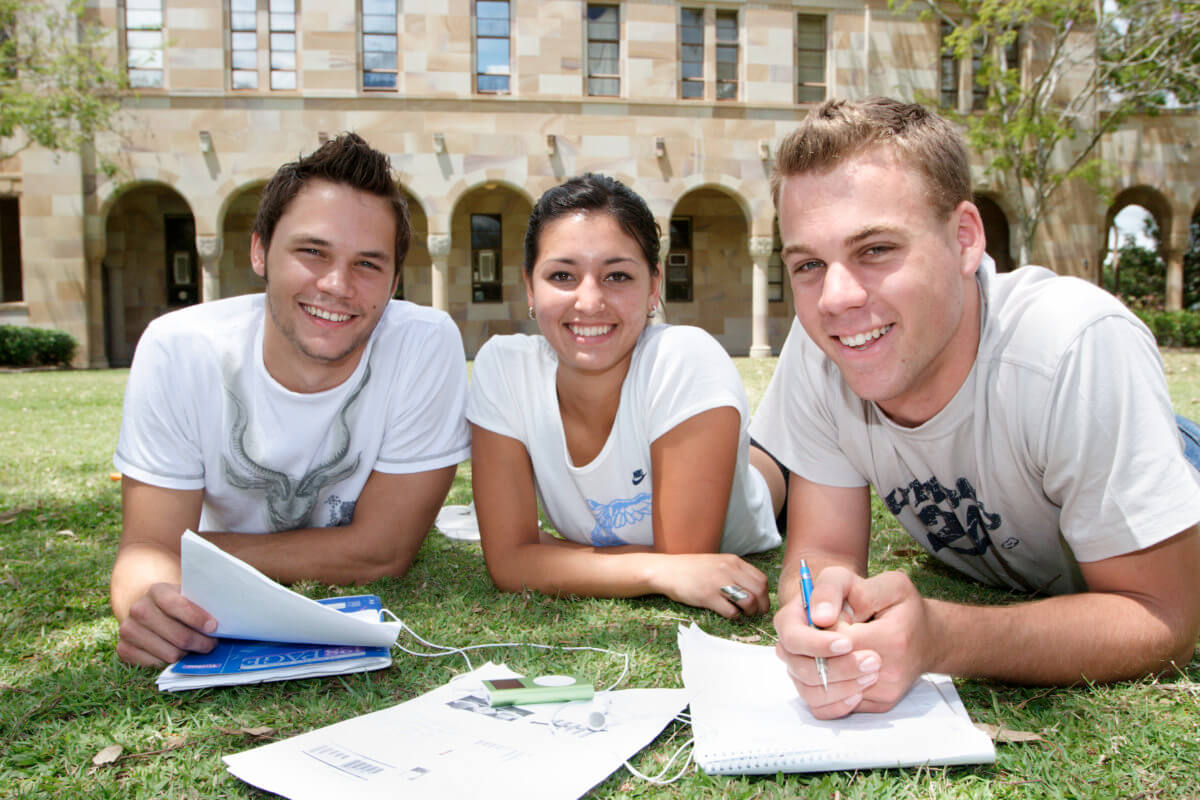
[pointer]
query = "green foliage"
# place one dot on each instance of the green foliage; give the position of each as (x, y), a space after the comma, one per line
(64, 696)
(1172, 328)
(1091, 66)
(57, 90)
(29, 347)
(1136, 274)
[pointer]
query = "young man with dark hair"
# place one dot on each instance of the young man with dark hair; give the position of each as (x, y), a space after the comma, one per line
(1018, 426)
(312, 431)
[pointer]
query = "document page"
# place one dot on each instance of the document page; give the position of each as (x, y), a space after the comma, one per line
(450, 743)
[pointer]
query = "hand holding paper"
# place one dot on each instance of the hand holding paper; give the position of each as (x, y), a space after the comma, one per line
(249, 605)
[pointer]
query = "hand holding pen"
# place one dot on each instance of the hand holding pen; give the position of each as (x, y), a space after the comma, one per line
(806, 590)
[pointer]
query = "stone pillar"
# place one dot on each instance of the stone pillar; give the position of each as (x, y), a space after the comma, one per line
(94, 247)
(439, 254)
(209, 248)
(760, 252)
(1173, 250)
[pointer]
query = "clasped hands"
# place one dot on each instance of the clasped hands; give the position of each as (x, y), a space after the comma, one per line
(874, 649)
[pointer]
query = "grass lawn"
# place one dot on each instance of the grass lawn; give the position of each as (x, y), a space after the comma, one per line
(64, 696)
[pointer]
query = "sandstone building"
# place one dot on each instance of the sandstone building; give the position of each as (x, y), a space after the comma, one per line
(482, 105)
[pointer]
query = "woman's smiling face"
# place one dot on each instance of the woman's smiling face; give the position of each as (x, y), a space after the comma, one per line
(592, 290)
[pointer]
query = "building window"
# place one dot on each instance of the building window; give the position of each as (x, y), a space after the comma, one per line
(603, 50)
(144, 43)
(727, 55)
(379, 42)
(691, 53)
(283, 44)
(811, 84)
(679, 261)
(486, 270)
(492, 47)
(775, 270)
(947, 72)
(11, 287)
(243, 43)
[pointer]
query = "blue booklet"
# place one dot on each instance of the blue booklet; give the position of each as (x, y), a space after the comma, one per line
(239, 661)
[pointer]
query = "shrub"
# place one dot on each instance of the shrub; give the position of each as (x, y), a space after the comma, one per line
(1172, 328)
(29, 347)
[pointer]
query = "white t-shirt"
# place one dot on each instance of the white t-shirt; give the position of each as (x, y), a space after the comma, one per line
(202, 412)
(676, 372)
(1060, 447)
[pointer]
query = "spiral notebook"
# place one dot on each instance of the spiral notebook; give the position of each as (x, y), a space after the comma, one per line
(748, 719)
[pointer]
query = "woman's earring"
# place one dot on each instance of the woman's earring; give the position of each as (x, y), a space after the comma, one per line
(531, 314)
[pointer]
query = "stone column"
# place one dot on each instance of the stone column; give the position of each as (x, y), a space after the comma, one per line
(439, 254)
(760, 252)
(209, 248)
(660, 312)
(1173, 250)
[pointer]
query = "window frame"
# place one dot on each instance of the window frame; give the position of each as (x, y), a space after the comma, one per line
(726, 44)
(236, 69)
(799, 86)
(686, 81)
(367, 74)
(132, 71)
(480, 37)
(589, 40)
(280, 34)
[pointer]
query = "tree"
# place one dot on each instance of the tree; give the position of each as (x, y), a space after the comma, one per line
(1092, 64)
(57, 90)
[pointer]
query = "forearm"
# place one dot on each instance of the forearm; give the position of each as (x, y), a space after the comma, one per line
(1093, 636)
(339, 555)
(562, 568)
(139, 566)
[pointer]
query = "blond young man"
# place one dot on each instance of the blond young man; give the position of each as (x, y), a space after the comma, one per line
(1017, 425)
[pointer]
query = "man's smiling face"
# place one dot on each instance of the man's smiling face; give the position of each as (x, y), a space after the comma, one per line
(882, 283)
(330, 269)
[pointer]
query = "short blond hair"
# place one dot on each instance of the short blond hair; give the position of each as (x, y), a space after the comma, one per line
(839, 129)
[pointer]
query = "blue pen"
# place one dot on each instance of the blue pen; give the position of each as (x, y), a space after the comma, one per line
(806, 589)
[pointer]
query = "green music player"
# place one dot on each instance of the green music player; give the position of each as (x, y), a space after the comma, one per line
(542, 689)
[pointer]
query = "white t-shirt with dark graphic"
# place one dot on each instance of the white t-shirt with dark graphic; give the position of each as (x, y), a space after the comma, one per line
(202, 412)
(676, 372)
(1060, 447)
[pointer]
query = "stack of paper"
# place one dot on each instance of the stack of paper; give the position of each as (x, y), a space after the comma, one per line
(238, 661)
(450, 743)
(268, 632)
(748, 719)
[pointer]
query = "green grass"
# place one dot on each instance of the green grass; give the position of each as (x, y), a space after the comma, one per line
(64, 696)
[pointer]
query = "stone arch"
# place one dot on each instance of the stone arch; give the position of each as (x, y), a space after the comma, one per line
(237, 212)
(1149, 198)
(485, 291)
(996, 231)
(150, 263)
(708, 271)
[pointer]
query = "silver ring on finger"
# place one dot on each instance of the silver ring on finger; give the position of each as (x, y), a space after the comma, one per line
(734, 593)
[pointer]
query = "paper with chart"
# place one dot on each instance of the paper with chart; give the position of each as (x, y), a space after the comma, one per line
(249, 605)
(748, 718)
(450, 743)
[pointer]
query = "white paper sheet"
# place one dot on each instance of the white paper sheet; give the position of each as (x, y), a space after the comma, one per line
(449, 743)
(249, 605)
(748, 718)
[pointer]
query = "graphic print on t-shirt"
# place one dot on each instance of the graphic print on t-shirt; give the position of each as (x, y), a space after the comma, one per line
(290, 502)
(938, 508)
(620, 513)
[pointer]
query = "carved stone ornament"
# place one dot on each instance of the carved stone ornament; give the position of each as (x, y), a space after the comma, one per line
(208, 247)
(439, 244)
(761, 245)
